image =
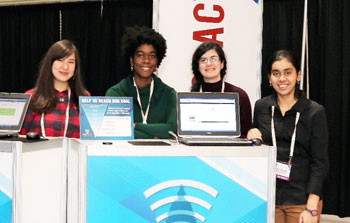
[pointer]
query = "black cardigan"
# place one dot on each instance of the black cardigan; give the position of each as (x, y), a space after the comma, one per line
(310, 161)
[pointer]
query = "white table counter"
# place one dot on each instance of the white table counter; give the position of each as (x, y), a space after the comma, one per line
(127, 183)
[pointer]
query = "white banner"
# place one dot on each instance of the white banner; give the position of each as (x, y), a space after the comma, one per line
(235, 24)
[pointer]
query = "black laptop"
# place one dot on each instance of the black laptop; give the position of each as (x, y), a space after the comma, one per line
(13, 109)
(209, 118)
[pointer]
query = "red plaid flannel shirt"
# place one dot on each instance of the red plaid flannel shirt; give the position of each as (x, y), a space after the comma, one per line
(54, 121)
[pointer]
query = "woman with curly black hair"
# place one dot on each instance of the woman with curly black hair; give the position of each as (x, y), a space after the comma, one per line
(154, 102)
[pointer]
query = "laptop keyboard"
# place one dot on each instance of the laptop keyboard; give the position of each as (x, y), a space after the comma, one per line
(216, 139)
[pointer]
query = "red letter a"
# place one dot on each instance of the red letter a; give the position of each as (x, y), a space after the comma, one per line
(199, 35)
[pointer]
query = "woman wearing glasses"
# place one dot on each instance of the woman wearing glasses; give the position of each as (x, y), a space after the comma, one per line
(154, 102)
(209, 69)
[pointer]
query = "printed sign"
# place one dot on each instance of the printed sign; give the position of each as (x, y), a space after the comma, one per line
(106, 118)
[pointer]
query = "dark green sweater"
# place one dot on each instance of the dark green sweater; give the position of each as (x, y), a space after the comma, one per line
(162, 113)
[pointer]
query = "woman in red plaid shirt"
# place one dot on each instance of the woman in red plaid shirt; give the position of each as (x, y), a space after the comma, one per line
(53, 110)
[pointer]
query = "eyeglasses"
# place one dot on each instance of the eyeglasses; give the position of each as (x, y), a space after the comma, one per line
(213, 59)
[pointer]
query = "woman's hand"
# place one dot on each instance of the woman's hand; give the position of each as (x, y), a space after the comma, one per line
(306, 217)
(254, 134)
(312, 204)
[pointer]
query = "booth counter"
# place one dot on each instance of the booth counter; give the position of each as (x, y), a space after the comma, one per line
(9, 185)
(33, 176)
(68, 180)
(176, 183)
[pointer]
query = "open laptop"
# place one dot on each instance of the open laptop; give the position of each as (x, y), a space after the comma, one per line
(209, 118)
(13, 109)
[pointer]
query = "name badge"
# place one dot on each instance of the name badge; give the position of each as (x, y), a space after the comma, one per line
(283, 170)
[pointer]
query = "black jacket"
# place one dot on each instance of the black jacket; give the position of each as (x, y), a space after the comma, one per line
(310, 160)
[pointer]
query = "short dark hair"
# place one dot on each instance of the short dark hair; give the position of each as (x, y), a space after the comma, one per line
(202, 49)
(290, 56)
(136, 36)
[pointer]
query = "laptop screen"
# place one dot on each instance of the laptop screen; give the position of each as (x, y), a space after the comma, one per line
(13, 108)
(208, 114)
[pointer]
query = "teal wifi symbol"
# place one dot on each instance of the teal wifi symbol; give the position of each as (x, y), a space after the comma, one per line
(181, 204)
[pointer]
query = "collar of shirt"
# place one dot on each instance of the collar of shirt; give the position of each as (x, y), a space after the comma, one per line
(299, 106)
(157, 93)
(62, 96)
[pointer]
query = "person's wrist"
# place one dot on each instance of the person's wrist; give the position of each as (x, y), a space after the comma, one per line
(313, 212)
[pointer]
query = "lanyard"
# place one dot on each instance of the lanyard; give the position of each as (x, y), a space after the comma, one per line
(43, 133)
(222, 87)
(273, 132)
(144, 115)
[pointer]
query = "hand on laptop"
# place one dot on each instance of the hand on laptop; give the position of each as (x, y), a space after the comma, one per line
(254, 134)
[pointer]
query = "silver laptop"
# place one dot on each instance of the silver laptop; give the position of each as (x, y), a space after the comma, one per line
(13, 109)
(209, 119)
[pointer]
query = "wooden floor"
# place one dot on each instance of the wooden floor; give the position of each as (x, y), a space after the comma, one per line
(333, 219)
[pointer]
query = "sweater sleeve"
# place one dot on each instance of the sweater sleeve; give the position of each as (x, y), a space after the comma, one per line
(141, 135)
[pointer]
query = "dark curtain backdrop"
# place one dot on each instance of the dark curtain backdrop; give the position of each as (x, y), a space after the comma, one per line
(26, 32)
(329, 52)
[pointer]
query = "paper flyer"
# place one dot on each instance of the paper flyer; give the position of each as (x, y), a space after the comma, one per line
(106, 118)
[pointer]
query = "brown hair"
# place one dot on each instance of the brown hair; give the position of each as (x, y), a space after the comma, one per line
(45, 99)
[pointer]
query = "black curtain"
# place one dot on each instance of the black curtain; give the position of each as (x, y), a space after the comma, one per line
(26, 32)
(25, 35)
(98, 34)
(329, 52)
(330, 57)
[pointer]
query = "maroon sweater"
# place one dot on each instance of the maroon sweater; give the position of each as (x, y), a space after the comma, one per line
(244, 103)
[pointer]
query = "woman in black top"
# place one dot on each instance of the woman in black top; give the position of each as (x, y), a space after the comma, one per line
(278, 119)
